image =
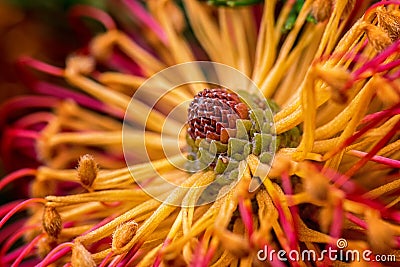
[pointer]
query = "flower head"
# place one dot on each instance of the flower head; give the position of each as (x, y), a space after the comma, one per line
(335, 174)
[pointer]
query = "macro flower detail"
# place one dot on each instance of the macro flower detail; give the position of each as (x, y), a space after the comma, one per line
(213, 113)
(225, 127)
(52, 223)
(307, 164)
(87, 170)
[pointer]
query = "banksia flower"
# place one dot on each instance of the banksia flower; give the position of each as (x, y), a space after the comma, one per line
(195, 168)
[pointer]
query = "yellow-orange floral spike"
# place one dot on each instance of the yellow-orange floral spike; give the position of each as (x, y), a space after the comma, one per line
(52, 223)
(87, 170)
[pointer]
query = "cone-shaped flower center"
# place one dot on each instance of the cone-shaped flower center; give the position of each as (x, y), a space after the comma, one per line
(225, 127)
(213, 114)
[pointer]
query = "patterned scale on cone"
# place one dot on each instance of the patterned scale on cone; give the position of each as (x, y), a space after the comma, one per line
(213, 114)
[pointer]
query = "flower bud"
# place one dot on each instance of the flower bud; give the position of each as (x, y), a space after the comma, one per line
(52, 223)
(123, 234)
(390, 22)
(87, 170)
(378, 38)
